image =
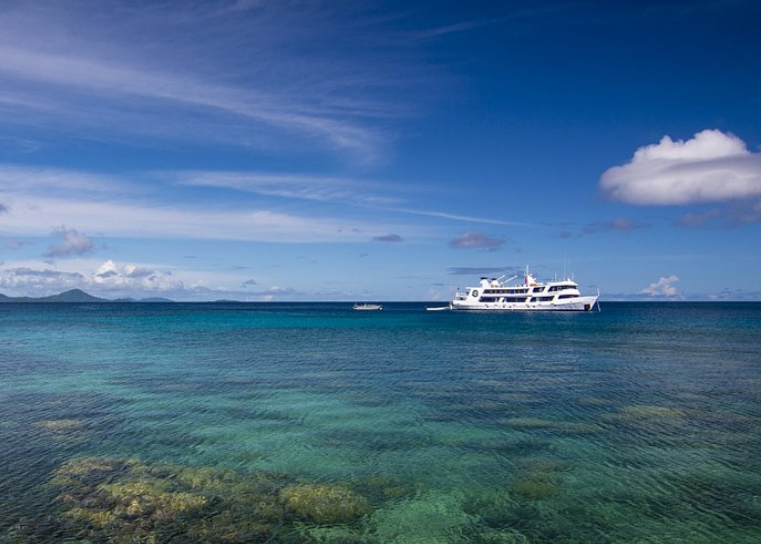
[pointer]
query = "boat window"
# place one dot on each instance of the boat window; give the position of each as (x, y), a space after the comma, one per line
(538, 289)
(561, 287)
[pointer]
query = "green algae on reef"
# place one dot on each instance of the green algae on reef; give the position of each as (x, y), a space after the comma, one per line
(555, 427)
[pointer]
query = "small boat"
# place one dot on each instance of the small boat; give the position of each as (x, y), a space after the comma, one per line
(530, 295)
(368, 307)
(438, 308)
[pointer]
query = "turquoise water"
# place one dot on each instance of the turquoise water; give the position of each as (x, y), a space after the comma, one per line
(315, 423)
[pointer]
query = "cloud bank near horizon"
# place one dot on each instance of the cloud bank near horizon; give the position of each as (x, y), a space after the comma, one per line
(113, 279)
(664, 287)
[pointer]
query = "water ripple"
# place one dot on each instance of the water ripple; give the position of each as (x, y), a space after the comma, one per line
(638, 424)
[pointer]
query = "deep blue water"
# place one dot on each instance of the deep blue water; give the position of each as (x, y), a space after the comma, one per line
(316, 423)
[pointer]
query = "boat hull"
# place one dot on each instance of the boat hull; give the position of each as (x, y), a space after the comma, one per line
(579, 304)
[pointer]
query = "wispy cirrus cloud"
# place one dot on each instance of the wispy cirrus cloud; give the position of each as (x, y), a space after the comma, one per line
(462, 218)
(164, 204)
(43, 199)
(129, 219)
(382, 196)
(15, 180)
(92, 78)
(304, 187)
(104, 73)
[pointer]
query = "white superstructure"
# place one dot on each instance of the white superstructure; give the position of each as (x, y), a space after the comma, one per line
(530, 295)
(369, 307)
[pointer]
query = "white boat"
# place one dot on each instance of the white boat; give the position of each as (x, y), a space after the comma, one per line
(530, 295)
(368, 307)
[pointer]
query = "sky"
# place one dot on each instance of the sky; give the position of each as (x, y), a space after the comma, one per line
(333, 150)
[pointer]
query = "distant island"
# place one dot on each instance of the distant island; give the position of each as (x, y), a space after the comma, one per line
(76, 296)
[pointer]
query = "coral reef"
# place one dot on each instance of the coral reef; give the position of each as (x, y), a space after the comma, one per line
(540, 482)
(324, 504)
(128, 501)
(379, 489)
(536, 488)
(116, 500)
(529, 423)
(61, 425)
(429, 519)
(651, 419)
(554, 427)
(649, 411)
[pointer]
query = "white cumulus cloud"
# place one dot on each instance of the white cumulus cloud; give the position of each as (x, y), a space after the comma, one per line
(713, 166)
(664, 287)
(128, 276)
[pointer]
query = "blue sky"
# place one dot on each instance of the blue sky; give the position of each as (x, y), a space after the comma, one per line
(379, 150)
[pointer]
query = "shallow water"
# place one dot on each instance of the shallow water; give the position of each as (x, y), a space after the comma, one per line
(315, 423)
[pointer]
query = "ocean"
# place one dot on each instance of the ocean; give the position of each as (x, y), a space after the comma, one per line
(314, 423)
